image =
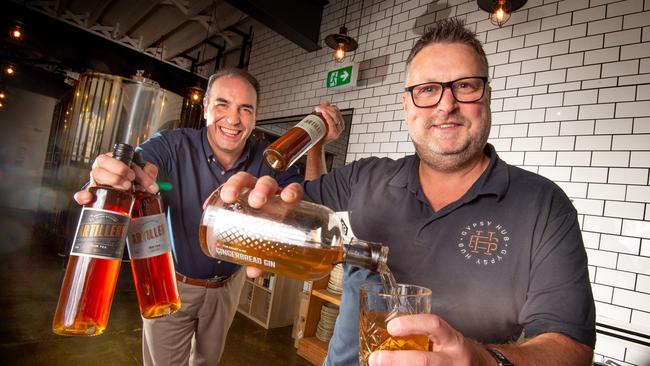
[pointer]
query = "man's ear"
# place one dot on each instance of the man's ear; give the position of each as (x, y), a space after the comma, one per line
(405, 105)
(205, 108)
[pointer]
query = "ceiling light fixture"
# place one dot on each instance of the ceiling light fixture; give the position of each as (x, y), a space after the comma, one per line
(16, 33)
(341, 42)
(195, 94)
(10, 70)
(500, 10)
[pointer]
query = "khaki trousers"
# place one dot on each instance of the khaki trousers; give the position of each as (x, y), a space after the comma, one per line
(196, 334)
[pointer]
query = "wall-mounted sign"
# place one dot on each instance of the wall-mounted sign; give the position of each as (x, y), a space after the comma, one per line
(342, 77)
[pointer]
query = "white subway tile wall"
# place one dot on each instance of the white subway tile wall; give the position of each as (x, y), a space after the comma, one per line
(570, 99)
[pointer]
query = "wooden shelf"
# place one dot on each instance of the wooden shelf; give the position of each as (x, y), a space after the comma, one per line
(327, 296)
(270, 307)
(312, 349)
(309, 347)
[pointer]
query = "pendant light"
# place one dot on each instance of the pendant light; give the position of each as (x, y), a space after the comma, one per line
(500, 10)
(341, 42)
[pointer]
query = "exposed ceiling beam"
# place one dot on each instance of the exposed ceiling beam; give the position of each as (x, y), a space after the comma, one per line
(198, 6)
(298, 21)
(97, 12)
(177, 43)
(135, 17)
(166, 20)
(61, 6)
(60, 41)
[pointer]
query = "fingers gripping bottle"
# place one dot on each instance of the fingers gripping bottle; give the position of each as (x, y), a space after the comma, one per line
(94, 263)
(301, 240)
(150, 251)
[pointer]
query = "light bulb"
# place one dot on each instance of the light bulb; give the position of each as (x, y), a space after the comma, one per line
(195, 96)
(16, 33)
(2, 95)
(9, 70)
(339, 54)
(500, 14)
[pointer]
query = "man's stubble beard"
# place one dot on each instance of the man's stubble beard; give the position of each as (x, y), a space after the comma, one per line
(457, 159)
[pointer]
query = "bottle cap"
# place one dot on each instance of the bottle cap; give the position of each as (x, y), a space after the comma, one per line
(123, 152)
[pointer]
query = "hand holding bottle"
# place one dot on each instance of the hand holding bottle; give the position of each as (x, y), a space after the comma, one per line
(263, 188)
(318, 128)
(334, 120)
(109, 171)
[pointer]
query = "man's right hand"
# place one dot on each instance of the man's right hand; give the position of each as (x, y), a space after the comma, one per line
(108, 171)
(262, 189)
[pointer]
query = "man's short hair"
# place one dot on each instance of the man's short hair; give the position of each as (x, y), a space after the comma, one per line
(449, 30)
(234, 72)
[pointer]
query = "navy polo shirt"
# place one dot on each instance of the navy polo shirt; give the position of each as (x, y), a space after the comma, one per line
(506, 258)
(184, 158)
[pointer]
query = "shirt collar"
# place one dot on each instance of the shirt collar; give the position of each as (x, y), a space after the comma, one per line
(494, 180)
(210, 157)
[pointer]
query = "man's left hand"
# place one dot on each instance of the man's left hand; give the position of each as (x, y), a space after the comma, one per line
(334, 120)
(448, 346)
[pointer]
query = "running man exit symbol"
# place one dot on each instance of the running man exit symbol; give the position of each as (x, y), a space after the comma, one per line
(339, 77)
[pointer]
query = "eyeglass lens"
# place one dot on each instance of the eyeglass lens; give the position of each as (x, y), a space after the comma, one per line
(464, 90)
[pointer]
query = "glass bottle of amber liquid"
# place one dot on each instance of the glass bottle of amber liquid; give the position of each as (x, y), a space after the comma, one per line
(94, 263)
(288, 148)
(150, 250)
(301, 240)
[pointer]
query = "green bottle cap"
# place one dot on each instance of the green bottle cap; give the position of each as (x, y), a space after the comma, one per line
(165, 186)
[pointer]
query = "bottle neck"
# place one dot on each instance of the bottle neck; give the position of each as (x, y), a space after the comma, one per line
(123, 153)
(365, 254)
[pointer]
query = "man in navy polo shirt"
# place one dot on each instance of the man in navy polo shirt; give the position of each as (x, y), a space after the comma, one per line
(500, 247)
(196, 162)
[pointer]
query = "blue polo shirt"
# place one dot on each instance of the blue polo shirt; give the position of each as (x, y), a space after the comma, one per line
(184, 158)
(503, 260)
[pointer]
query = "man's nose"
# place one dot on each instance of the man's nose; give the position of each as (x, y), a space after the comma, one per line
(232, 116)
(447, 100)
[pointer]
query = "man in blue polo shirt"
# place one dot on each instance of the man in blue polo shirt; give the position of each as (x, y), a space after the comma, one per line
(500, 247)
(196, 162)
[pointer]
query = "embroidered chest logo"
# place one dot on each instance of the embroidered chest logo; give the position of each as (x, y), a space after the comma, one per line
(484, 243)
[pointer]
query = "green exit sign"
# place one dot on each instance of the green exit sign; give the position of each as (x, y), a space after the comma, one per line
(344, 76)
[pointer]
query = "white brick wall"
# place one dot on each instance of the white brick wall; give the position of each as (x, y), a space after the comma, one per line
(571, 100)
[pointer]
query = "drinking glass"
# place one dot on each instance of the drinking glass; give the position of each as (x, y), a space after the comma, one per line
(377, 306)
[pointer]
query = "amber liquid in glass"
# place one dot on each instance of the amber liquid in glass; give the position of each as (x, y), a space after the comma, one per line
(89, 283)
(154, 277)
(292, 144)
(301, 262)
(373, 336)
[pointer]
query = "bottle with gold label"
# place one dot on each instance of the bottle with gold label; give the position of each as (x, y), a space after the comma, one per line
(288, 148)
(150, 251)
(94, 263)
(301, 240)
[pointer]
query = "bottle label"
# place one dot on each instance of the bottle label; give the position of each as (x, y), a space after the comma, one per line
(238, 254)
(314, 126)
(148, 237)
(100, 234)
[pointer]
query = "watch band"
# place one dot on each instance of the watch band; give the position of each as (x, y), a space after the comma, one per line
(499, 357)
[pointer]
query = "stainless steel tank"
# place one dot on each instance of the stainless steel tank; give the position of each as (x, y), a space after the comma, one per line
(104, 109)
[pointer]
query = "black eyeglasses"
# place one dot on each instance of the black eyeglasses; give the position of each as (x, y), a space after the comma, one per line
(465, 90)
